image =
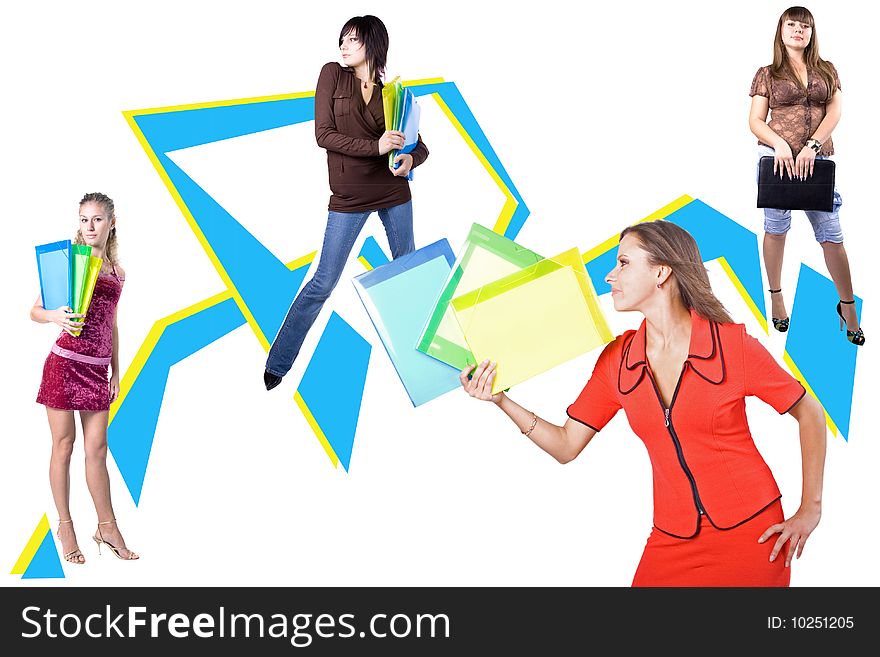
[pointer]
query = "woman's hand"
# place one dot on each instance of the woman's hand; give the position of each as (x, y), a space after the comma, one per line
(406, 163)
(65, 318)
(391, 140)
(114, 387)
(479, 385)
(795, 531)
(804, 163)
(783, 160)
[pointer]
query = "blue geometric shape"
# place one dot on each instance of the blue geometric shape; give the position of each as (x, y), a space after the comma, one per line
(46, 564)
(266, 286)
(399, 298)
(373, 253)
(450, 95)
(717, 236)
(130, 434)
(173, 130)
(818, 347)
(333, 384)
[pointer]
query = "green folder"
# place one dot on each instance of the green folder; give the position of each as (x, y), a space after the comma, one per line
(485, 257)
(91, 278)
(79, 262)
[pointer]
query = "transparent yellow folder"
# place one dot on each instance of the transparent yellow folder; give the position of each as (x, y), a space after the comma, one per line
(91, 278)
(534, 319)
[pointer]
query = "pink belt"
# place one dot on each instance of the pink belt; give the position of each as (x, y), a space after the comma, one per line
(80, 358)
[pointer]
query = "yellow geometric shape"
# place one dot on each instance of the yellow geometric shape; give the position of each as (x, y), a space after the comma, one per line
(32, 546)
(316, 428)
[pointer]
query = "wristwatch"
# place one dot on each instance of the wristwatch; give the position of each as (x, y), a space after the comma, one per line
(815, 144)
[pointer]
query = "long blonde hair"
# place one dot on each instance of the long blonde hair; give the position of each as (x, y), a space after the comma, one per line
(782, 68)
(111, 250)
(669, 244)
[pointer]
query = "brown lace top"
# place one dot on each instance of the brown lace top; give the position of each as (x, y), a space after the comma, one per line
(795, 111)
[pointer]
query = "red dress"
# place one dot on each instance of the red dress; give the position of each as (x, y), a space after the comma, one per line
(713, 493)
(76, 373)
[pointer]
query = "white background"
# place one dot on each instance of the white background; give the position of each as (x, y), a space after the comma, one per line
(600, 116)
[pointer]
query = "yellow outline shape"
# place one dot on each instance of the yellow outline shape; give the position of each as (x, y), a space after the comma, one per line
(159, 326)
(32, 546)
(503, 221)
(313, 423)
(363, 261)
(800, 377)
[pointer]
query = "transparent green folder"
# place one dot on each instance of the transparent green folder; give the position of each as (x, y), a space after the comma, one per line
(485, 257)
(533, 320)
(91, 278)
(79, 262)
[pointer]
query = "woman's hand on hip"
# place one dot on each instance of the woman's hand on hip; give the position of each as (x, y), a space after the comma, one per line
(804, 163)
(795, 531)
(114, 387)
(391, 140)
(783, 160)
(65, 318)
(479, 385)
(406, 163)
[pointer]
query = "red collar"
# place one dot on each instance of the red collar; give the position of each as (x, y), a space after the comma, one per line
(705, 355)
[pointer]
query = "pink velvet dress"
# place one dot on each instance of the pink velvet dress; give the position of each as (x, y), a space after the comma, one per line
(76, 373)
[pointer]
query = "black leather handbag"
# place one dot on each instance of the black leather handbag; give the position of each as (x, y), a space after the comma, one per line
(784, 193)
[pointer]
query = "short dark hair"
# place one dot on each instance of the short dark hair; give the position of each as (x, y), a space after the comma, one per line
(371, 31)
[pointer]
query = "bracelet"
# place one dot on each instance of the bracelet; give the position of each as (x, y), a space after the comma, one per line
(815, 144)
(531, 428)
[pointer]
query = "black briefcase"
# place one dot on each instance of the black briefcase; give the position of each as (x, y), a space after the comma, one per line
(814, 193)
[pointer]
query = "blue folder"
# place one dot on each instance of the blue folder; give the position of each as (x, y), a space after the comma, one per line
(399, 297)
(56, 274)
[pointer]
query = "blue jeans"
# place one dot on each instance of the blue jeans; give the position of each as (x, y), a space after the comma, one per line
(826, 225)
(342, 230)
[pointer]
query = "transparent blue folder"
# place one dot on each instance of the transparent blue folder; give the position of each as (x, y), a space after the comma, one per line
(56, 274)
(399, 297)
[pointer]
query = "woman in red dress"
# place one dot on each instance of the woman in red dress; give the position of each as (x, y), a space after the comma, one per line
(682, 379)
(76, 378)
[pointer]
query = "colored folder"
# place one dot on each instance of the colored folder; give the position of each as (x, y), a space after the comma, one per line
(79, 261)
(534, 319)
(402, 112)
(56, 275)
(485, 256)
(91, 278)
(398, 297)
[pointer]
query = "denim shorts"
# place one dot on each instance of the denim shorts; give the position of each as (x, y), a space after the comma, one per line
(826, 225)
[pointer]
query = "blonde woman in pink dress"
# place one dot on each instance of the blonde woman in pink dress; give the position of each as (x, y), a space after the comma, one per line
(76, 378)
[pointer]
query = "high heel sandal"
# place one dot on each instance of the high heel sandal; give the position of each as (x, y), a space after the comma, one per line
(75, 555)
(99, 539)
(856, 337)
(780, 325)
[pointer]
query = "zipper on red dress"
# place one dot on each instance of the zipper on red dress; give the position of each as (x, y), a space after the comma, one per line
(667, 412)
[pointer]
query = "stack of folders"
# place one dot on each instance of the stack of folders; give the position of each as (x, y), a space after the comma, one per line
(68, 273)
(437, 315)
(402, 113)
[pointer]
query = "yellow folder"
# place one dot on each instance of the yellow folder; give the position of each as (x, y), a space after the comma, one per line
(91, 278)
(534, 319)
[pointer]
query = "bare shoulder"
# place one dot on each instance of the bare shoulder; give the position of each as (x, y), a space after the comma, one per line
(120, 271)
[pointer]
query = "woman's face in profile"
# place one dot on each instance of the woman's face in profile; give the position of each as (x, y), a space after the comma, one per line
(352, 50)
(94, 224)
(795, 34)
(632, 280)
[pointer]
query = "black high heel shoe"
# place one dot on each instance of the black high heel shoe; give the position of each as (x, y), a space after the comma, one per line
(780, 325)
(271, 380)
(856, 337)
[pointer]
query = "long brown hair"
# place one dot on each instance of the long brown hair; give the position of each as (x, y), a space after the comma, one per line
(111, 250)
(669, 244)
(782, 68)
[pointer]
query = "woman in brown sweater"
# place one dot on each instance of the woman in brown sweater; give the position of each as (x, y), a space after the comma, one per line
(350, 125)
